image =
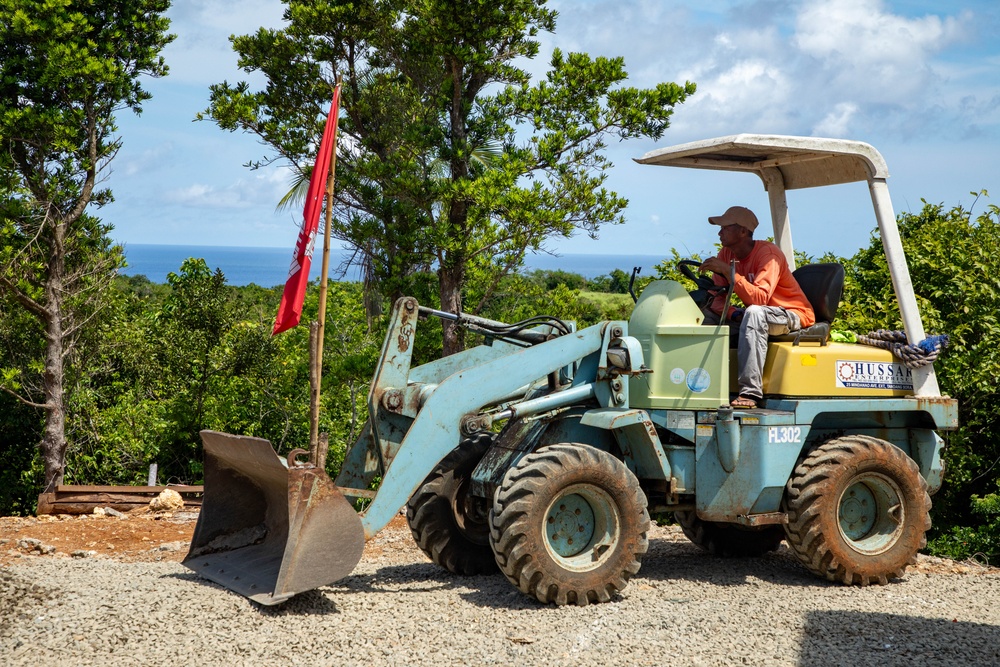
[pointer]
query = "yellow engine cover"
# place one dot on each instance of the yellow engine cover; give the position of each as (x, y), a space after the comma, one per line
(836, 369)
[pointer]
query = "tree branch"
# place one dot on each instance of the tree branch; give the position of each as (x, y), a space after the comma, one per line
(29, 304)
(32, 404)
(91, 173)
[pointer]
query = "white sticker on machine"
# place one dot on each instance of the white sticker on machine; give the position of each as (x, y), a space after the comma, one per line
(873, 375)
(698, 380)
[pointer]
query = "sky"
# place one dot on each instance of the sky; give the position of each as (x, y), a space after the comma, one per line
(919, 80)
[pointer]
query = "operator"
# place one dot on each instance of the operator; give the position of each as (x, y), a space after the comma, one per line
(775, 303)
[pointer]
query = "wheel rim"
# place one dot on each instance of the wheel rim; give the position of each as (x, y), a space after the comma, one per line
(871, 513)
(581, 527)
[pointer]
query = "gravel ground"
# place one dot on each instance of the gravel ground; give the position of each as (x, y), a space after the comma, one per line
(684, 608)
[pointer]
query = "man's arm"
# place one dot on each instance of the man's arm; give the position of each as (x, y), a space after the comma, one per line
(765, 280)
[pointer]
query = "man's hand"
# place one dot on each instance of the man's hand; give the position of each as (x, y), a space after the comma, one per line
(716, 265)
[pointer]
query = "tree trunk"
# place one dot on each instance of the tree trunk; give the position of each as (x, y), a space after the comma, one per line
(451, 281)
(53, 443)
(452, 272)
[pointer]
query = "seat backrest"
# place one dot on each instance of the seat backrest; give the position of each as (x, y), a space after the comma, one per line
(823, 285)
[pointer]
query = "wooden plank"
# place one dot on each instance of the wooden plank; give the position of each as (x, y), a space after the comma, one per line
(75, 501)
(138, 499)
(179, 488)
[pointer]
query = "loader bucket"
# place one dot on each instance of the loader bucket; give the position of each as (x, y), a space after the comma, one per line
(267, 531)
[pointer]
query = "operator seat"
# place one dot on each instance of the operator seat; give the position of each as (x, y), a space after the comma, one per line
(823, 285)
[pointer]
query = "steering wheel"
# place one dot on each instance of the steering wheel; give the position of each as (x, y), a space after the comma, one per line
(703, 282)
(706, 289)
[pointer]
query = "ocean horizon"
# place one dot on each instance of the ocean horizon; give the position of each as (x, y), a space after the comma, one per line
(268, 267)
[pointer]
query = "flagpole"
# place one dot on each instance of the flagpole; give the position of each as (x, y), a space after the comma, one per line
(319, 457)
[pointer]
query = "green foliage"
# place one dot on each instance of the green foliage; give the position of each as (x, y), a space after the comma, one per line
(20, 474)
(198, 354)
(979, 542)
(519, 297)
(552, 279)
(613, 306)
(615, 283)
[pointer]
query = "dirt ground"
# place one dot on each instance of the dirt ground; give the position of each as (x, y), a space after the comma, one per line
(143, 536)
(137, 536)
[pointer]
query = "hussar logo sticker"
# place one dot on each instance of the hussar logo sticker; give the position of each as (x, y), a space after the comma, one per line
(873, 375)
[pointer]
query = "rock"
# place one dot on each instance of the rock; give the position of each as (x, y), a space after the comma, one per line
(110, 511)
(171, 546)
(32, 544)
(168, 501)
(99, 511)
(82, 553)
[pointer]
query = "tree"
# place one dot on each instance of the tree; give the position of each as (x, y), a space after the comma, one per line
(451, 157)
(66, 68)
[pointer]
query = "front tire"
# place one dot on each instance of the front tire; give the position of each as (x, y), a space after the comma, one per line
(448, 524)
(569, 525)
(858, 510)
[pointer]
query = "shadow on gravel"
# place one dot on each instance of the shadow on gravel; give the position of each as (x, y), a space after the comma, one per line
(410, 578)
(309, 603)
(498, 593)
(670, 561)
(861, 639)
(491, 591)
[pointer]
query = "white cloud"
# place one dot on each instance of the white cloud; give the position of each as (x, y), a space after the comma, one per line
(872, 54)
(863, 33)
(836, 123)
(265, 188)
(148, 160)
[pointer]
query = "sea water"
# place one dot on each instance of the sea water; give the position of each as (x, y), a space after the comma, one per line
(268, 267)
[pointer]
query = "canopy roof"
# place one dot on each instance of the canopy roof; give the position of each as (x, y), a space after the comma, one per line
(804, 162)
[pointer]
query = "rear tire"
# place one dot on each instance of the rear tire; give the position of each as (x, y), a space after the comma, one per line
(858, 510)
(728, 540)
(569, 525)
(448, 524)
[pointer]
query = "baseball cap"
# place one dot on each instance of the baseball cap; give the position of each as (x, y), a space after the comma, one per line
(736, 215)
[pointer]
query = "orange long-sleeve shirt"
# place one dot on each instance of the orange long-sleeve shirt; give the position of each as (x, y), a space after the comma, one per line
(764, 279)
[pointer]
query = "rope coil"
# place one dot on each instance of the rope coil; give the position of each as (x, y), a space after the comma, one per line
(913, 356)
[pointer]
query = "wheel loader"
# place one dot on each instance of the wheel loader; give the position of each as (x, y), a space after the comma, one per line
(543, 452)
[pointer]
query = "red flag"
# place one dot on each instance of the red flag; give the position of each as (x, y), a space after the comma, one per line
(290, 309)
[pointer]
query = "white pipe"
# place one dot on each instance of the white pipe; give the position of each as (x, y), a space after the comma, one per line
(924, 379)
(774, 183)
